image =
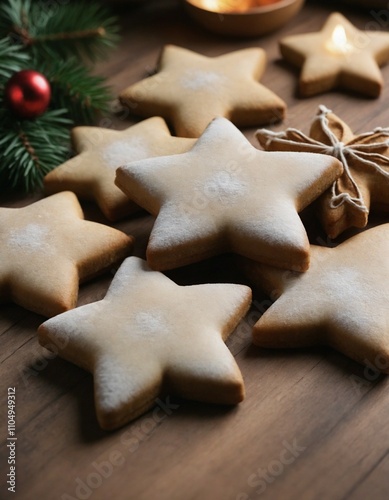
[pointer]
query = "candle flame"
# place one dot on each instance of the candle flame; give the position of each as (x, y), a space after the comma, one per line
(225, 5)
(339, 42)
(232, 6)
(339, 37)
(213, 5)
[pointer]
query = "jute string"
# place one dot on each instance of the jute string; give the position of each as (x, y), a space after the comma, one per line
(366, 154)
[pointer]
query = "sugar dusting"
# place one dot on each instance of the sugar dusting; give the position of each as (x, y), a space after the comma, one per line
(182, 224)
(201, 80)
(350, 285)
(120, 152)
(72, 324)
(149, 322)
(224, 187)
(33, 237)
(114, 382)
(357, 295)
(353, 298)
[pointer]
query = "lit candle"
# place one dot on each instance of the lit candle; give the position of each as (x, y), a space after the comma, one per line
(338, 42)
(226, 5)
(230, 6)
(243, 17)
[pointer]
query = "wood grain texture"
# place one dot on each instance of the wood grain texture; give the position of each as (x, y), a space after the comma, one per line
(314, 424)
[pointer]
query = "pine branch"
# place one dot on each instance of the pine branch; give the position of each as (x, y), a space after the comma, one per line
(13, 18)
(53, 39)
(12, 59)
(84, 29)
(29, 149)
(75, 89)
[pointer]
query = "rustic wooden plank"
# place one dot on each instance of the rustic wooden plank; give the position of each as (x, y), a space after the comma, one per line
(314, 399)
(278, 409)
(374, 484)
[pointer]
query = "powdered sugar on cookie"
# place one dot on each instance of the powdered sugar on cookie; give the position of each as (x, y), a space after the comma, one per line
(342, 300)
(224, 187)
(199, 80)
(113, 383)
(224, 195)
(347, 285)
(149, 323)
(47, 248)
(32, 238)
(187, 326)
(116, 154)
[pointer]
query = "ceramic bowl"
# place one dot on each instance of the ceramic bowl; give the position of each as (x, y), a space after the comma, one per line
(254, 21)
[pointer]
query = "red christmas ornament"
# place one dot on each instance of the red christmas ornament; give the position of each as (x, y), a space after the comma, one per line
(27, 93)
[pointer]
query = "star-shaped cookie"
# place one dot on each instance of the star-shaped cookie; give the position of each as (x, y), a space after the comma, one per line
(91, 174)
(150, 336)
(341, 301)
(365, 179)
(190, 89)
(225, 195)
(47, 248)
(339, 55)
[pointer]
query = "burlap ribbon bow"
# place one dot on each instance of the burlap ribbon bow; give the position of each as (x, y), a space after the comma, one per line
(365, 180)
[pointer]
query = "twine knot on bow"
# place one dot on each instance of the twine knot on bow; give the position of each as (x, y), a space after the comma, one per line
(365, 150)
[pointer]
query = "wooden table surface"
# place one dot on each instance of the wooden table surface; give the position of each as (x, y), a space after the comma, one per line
(314, 424)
